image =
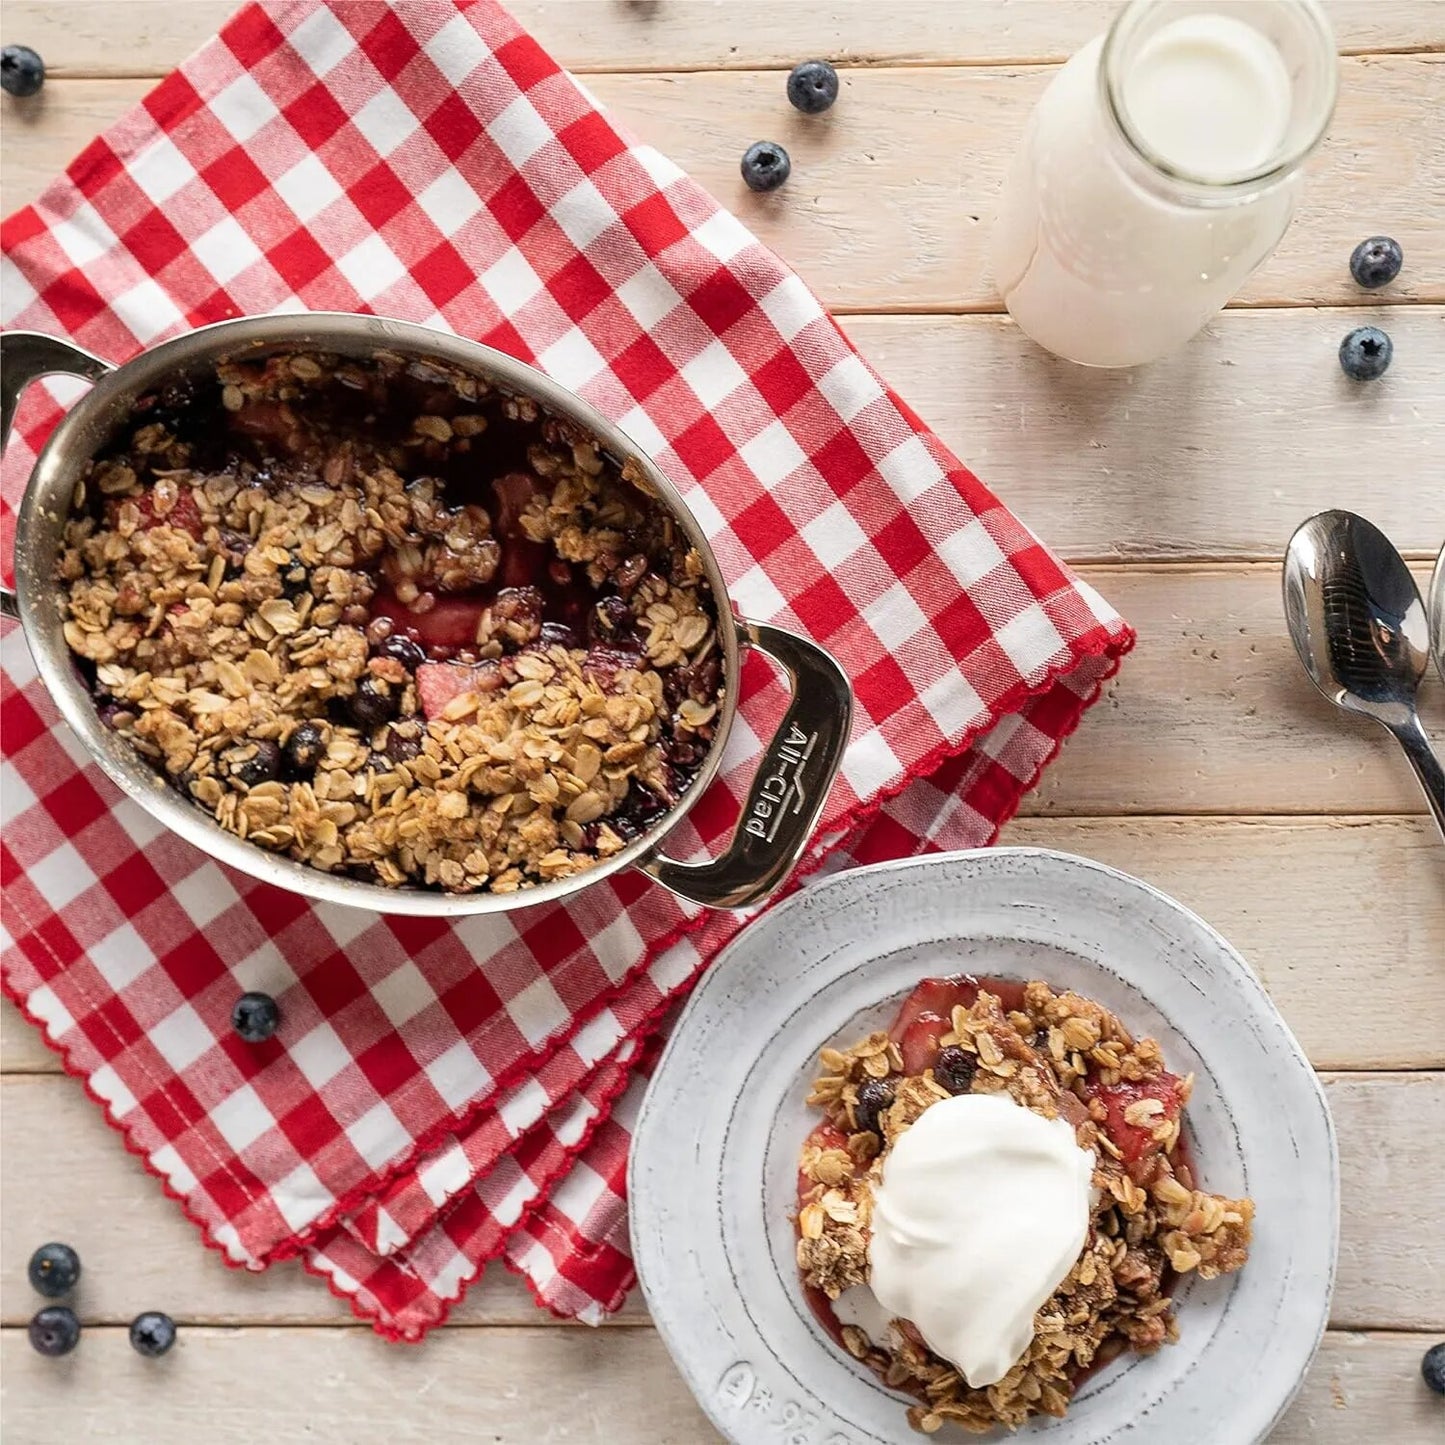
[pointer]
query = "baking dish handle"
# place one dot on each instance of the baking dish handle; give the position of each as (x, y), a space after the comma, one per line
(24, 356)
(792, 782)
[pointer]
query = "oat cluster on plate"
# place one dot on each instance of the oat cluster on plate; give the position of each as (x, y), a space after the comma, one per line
(1060, 1055)
(389, 622)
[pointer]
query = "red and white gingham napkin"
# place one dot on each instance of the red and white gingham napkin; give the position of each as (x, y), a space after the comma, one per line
(443, 1094)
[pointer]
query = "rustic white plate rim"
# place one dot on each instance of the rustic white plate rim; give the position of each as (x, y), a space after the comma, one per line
(712, 1248)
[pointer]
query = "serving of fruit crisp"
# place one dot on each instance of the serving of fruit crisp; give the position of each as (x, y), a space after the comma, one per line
(1000, 1200)
(392, 623)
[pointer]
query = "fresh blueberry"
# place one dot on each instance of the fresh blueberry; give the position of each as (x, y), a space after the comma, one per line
(262, 766)
(765, 166)
(54, 1269)
(255, 1017)
(1432, 1367)
(874, 1096)
(1365, 353)
(22, 71)
(55, 1330)
(954, 1068)
(152, 1333)
(304, 749)
(813, 86)
(1376, 262)
(373, 703)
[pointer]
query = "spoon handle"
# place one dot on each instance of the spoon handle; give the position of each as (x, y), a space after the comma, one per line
(1426, 764)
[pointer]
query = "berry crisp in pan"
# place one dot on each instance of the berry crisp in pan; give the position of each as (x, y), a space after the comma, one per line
(390, 622)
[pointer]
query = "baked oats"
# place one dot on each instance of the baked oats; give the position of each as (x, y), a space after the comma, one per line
(385, 620)
(1062, 1056)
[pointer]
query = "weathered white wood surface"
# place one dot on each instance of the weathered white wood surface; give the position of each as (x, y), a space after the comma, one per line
(140, 1254)
(888, 205)
(1309, 901)
(147, 37)
(1211, 768)
(518, 1387)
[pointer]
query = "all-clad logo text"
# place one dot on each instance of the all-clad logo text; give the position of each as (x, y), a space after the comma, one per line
(780, 791)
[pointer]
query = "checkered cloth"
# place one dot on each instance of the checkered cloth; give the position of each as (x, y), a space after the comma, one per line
(443, 1094)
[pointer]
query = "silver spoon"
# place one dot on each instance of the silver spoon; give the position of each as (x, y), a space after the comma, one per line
(1437, 613)
(1358, 624)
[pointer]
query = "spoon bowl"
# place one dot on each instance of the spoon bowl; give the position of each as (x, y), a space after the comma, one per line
(1358, 623)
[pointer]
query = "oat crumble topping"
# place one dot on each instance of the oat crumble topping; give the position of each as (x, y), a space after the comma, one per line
(388, 621)
(1060, 1055)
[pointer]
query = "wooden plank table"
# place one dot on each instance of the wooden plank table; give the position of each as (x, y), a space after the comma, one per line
(1211, 768)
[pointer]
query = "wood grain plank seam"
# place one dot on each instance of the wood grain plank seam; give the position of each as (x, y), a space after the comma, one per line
(843, 63)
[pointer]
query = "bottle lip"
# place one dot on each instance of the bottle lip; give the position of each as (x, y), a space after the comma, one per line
(1276, 168)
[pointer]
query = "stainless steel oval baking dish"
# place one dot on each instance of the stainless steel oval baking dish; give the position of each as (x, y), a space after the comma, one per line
(798, 765)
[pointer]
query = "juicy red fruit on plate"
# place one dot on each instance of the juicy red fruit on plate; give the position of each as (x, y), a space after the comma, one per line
(926, 1015)
(1133, 1141)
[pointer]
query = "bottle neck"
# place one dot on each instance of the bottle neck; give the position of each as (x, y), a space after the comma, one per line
(1295, 39)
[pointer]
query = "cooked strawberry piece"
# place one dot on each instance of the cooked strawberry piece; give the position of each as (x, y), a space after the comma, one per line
(825, 1136)
(1136, 1142)
(267, 421)
(524, 563)
(437, 683)
(451, 623)
(937, 997)
(185, 515)
(919, 1044)
(513, 492)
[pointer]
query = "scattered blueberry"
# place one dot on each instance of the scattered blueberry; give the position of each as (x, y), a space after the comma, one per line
(304, 749)
(55, 1330)
(813, 86)
(1376, 262)
(954, 1068)
(373, 703)
(54, 1269)
(765, 166)
(1432, 1367)
(22, 71)
(874, 1096)
(152, 1333)
(401, 649)
(255, 1017)
(1365, 353)
(262, 766)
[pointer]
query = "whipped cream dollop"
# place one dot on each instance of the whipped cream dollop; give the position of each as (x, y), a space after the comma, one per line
(982, 1210)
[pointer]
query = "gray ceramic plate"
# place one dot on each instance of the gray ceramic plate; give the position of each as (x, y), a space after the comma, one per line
(712, 1171)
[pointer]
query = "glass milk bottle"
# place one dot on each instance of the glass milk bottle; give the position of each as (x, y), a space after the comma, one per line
(1159, 168)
